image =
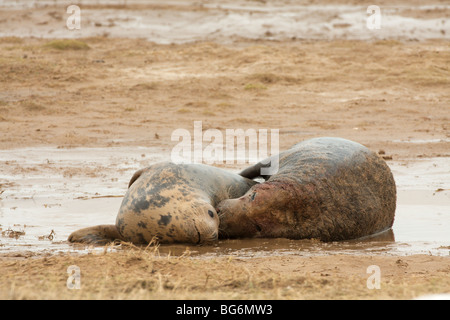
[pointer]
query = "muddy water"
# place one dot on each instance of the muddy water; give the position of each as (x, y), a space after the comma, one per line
(47, 189)
(46, 193)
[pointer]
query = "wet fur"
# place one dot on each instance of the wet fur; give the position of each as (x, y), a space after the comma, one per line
(174, 203)
(325, 188)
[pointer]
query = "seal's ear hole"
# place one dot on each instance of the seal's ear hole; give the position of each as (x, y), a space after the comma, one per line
(252, 197)
(211, 213)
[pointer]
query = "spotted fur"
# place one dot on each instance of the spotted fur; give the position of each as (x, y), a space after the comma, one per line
(172, 203)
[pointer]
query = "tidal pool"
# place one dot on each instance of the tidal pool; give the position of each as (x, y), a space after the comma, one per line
(46, 193)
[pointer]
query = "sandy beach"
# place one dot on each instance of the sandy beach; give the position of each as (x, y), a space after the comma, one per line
(80, 112)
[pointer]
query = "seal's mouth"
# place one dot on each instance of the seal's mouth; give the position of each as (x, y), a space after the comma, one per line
(198, 233)
(205, 238)
(236, 220)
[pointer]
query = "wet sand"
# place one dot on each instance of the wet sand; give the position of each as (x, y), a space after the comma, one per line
(77, 122)
(139, 274)
(183, 21)
(61, 190)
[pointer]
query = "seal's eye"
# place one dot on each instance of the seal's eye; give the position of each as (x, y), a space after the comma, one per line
(211, 213)
(252, 197)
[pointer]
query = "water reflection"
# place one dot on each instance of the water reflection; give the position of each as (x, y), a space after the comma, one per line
(39, 201)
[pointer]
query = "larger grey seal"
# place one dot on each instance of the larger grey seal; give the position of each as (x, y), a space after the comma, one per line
(173, 202)
(325, 188)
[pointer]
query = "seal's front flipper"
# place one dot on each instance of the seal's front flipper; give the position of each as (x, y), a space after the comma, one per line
(99, 235)
(256, 171)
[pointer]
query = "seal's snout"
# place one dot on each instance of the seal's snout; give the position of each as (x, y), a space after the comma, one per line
(209, 239)
(206, 224)
(234, 218)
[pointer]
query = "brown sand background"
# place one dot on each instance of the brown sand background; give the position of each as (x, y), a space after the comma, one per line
(106, 92)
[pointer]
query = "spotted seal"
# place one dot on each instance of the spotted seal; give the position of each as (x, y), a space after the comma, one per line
(173, 202)
(325, 188)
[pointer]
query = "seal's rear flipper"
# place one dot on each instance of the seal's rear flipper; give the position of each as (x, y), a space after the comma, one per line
(100, 235)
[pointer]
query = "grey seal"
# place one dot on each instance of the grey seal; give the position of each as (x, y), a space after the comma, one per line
(325, 188)
(172, 203)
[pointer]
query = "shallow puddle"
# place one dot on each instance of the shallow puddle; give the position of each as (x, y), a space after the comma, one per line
(46, 193)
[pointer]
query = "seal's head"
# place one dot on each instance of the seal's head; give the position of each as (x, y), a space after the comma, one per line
(160, 203)
(258, 213)
(194, 221)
